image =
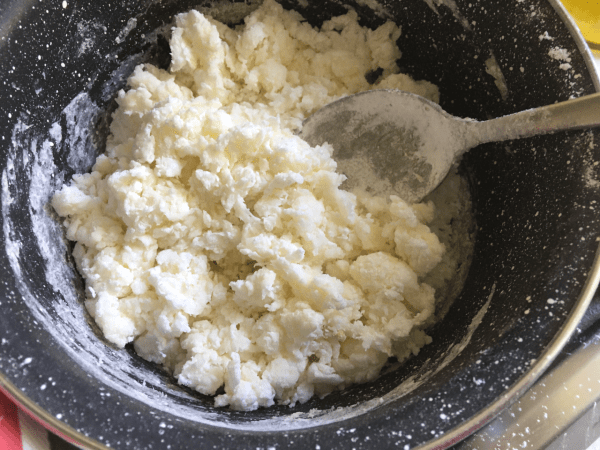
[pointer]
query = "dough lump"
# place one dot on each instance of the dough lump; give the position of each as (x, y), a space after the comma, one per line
(219, 242)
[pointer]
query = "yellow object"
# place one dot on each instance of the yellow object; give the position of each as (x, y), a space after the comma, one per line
(587, 15)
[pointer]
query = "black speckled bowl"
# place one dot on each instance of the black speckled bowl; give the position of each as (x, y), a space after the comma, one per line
(533, 273)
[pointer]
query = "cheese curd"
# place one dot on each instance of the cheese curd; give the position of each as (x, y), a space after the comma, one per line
(219, 242)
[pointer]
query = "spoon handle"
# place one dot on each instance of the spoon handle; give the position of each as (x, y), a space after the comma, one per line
(582, 112)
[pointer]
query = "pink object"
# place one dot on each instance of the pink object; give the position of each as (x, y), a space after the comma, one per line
(10, 430)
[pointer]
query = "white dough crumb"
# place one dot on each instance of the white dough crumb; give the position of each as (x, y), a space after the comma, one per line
(560, 54)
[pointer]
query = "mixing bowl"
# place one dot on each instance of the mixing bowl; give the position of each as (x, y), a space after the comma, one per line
(533, 272)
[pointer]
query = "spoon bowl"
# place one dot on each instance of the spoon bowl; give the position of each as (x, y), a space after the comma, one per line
(391, 141)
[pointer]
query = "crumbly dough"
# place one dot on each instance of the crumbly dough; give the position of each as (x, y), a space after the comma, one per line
(219, 242)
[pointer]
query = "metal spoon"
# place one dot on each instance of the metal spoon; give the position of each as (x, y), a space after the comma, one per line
(386, 139)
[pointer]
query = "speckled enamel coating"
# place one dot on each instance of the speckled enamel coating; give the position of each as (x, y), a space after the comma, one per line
(535, 202)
